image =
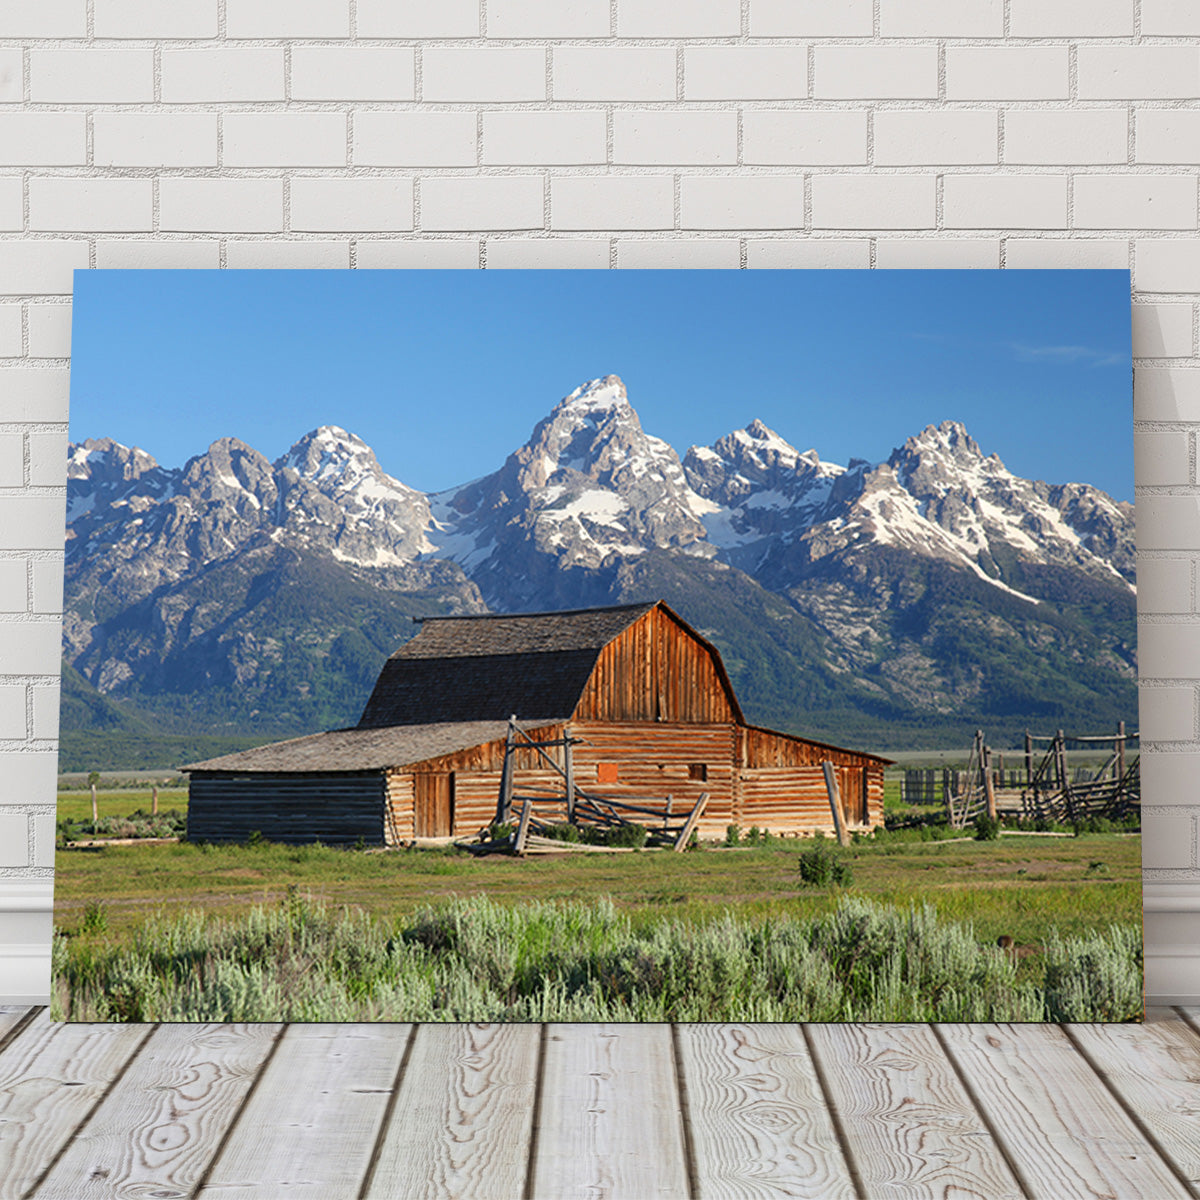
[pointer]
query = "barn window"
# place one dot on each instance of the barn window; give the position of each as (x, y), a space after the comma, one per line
(698, 771)
(606, 772)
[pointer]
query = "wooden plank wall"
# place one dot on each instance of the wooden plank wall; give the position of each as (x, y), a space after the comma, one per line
(655, 671)
(337, 808)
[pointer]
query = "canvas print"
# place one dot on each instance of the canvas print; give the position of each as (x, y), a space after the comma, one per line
(624, 646)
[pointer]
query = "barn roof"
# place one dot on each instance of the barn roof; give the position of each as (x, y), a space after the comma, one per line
(485, 668)
(360, 749)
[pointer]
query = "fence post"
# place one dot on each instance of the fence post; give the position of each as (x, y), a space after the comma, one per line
(835, 803)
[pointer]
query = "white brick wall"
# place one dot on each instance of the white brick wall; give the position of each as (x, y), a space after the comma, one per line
(587, 134)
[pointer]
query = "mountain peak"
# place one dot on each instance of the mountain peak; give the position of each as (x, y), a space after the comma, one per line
(596, 395)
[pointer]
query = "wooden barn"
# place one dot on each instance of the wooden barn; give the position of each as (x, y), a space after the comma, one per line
(645, 697)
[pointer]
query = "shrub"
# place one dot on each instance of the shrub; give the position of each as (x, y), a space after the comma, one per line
(94, 919)
(731, 835)
(822, 866)
(1095, 978)
(987, 829)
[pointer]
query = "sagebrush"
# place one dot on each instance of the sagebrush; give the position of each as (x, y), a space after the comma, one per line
(477, 960)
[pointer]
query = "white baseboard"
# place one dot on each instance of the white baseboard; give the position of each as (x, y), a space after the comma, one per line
(24, 974)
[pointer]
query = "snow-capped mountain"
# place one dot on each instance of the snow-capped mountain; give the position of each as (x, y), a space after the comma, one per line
(178, 573)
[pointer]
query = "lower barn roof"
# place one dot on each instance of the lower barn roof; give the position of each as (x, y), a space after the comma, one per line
(361, 749)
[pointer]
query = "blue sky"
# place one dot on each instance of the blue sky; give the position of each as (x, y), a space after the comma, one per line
(444, 373)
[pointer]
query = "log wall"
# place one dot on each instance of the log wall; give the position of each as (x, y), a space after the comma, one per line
(337, 808)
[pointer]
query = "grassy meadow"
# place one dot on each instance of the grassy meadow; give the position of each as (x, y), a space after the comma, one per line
(176, 931)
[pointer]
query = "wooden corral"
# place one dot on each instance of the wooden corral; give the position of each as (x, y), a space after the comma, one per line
(645, 698)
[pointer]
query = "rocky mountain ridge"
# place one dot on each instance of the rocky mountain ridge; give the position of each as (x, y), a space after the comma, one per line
(231, 578)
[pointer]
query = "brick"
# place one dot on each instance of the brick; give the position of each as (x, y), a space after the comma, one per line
(219, 76)
(12, 460)
(28, 775)
(1135, 201)
(950, 18)
(415, 139)
(1168, 651)
(648, 138)
(1167, 266)
(48, 584)
(108, 205)
(733, 202)
(30, 522)
(1162, 330)
(1167, 523)
(675, 254)
(875, 72)
(353, 73)
(123, 139)
(352, 205)
(14, 839)
(43, 139)
(287, 18)
(1006, 73)
(1058, 254)
(1169, 778)
(220, 205)
(873, 201)
(91, 76)
(614, 73)
(547, 18)
(12, 76)
(745, 73)
(155, 19)
(1170, 18)
(14, 587)
(1162, 458)
(1164, 585)
(808, 253)
(937, 253)
(1167, 714)
(264, 255)
(32, 394)
(10, 331)
(696, 19)
(12, 716)
(1167, 135)
(1166, 394)
(418, 18)
(547, 253)
(811, 18)
(952, 136)
(49, 330)
(1045, 136)
(284, 139)
(1004, 202)
(412, 253)
(44, 268)
(158, 254)
(1138, 72)
(481, 203)
(1168, 842)
(45, 19)
(1072, 18)
(45, 711)
(786, 137)
(487, 74)
(12, 214)
(48, 459)
(607, 202)
(545, 138)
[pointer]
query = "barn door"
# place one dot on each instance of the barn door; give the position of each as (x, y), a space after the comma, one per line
(433, 804)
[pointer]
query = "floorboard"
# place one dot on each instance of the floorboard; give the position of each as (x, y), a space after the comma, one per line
(909, 1125)
(310, 1126)
(599, 1112)
(1058, 1123)
(760, 1128)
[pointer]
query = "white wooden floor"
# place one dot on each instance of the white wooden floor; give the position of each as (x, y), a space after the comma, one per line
(599, 1111)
